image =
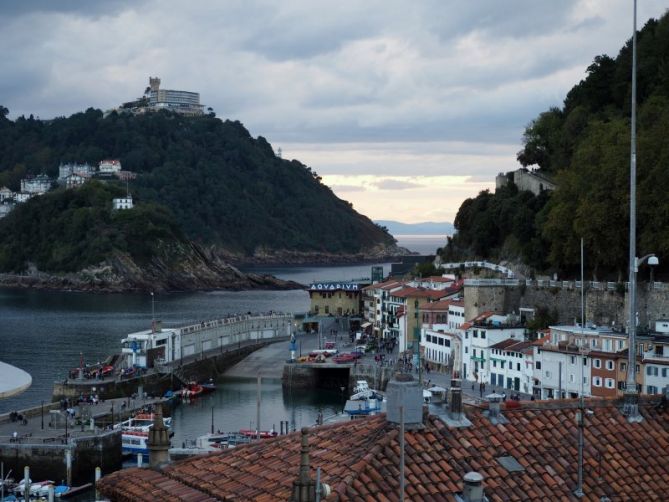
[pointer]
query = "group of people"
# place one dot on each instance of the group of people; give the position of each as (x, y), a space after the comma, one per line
(17, 417)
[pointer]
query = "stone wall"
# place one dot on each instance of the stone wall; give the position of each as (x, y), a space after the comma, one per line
(49, 461)
(602, 306)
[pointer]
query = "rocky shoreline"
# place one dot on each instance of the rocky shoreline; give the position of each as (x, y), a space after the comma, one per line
(186, 266)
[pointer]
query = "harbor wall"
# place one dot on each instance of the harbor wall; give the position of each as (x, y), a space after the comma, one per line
(50, 461)
(209, 364)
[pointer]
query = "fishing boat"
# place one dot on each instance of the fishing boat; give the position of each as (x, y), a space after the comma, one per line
(364, 401)
(141, 422)
(190, 391)
(362, 391)
(249, 433)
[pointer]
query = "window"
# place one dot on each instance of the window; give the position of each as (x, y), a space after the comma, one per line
(571, 378)
(466, 335)
(517, 366)
(593, 343)
(482, 334)
(651, 389)
(623, 366)
(610, 383)
(596, 381)
(664, 372)
(476, 333)
(620, 344)
(441, 341)
(609, 365)
(597, 363)
(585, 380)
(538, 365)
(651, 370)
(621, 385)
(548, 374)
(573, 359)
(494, 364)
(585, 361)
(466, 350)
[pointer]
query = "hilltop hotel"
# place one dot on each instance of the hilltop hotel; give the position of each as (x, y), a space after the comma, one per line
(155, 98)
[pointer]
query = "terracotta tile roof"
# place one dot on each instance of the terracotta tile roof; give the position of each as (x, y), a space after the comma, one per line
(441, 305)
(504, 343)
(360, 460)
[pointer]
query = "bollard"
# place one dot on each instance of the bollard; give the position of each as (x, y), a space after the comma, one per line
(26, 483)
(98, 475)
(140, 459)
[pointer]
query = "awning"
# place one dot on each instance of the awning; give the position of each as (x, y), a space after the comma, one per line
(365, 324)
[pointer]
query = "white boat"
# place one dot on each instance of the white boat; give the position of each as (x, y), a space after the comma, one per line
(135, 442)
(361, 391)
(141, 422)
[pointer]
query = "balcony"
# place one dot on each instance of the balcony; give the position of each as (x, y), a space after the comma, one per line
(480, 359)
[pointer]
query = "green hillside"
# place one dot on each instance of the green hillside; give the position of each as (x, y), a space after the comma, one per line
(225, 188)
(585, 147)
(67, 230)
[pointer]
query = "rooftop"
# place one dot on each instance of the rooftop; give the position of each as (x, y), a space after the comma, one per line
(533, 456)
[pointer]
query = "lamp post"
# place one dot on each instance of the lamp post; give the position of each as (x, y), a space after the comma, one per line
(631, 400)
(153, 313)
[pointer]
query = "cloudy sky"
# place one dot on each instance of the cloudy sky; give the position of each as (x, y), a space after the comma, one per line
(405, 108)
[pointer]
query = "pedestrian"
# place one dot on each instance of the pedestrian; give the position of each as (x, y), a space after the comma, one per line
(504, 396)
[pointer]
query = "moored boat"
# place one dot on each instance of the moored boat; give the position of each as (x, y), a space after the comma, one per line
(250, 433)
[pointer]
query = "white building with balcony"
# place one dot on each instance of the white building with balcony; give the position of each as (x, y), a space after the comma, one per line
(512, 365)
(123, 203)
(109, 166)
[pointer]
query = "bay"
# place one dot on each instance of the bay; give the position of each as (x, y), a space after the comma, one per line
(46, 333)
(423, 244)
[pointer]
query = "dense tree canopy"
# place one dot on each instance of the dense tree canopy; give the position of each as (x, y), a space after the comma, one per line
(66, 230)
(222, 186)
(585, 147)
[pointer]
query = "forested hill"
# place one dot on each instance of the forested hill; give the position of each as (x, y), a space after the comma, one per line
(585, 147)
(223, 187)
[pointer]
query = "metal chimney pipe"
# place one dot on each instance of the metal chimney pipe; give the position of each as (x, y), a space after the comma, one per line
(473, 487)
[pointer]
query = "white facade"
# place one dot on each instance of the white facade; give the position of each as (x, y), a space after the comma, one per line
(6, 194)
(109, 166)
(512, 366)
(123, 203)
(656, 363)
(456, 316)
(37, 185)
(23, 196)
(65, 170)
(559, 373)
(484, 332)
(75, 180)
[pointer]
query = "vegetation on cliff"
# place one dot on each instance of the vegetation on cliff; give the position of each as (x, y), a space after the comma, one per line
(223, 187)
(585, 147)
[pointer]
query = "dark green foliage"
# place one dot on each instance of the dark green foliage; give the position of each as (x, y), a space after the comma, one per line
(223, 186)
(498, 225)
(66, 230)
(585, 146)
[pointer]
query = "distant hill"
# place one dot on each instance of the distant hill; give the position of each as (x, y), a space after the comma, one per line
(226, 190)
(424, 228)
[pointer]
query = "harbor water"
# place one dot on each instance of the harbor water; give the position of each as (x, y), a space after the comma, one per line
(48, 333)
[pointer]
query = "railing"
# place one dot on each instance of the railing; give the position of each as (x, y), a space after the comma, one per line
(569, 285)
(480, 264)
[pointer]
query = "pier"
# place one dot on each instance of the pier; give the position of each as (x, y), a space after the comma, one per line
(166, 358)
(62, 447)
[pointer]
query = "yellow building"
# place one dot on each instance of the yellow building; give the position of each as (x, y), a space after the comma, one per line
(335, 298)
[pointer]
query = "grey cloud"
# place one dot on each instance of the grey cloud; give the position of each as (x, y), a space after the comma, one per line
(11, 8)
(396, 185)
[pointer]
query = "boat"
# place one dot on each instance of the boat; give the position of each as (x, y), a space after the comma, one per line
(141, 422)
(361, 391)
(221, 440)
(364, 401)
(35, 491)
(66, 492)
(134, 443)
(190, 391)
(252, 434)
(208, 386)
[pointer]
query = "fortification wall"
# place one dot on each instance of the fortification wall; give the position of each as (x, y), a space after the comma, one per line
(605, 304)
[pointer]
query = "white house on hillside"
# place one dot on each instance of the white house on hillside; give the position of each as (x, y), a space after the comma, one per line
(123, 202)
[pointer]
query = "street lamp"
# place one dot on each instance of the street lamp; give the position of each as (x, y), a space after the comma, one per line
(631, 399)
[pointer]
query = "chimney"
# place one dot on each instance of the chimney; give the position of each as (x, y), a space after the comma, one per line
(159, 440)
(404, 391)
(494, 405)
(473, 488)
(455, 400)
(304, 488)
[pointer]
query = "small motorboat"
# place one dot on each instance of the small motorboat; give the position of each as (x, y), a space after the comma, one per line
(262, 434)
(208, 386)
(190, 391)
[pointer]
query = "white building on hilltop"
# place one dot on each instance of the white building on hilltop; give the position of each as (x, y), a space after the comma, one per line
(123, 202)
(36, 184)
(109, 166)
